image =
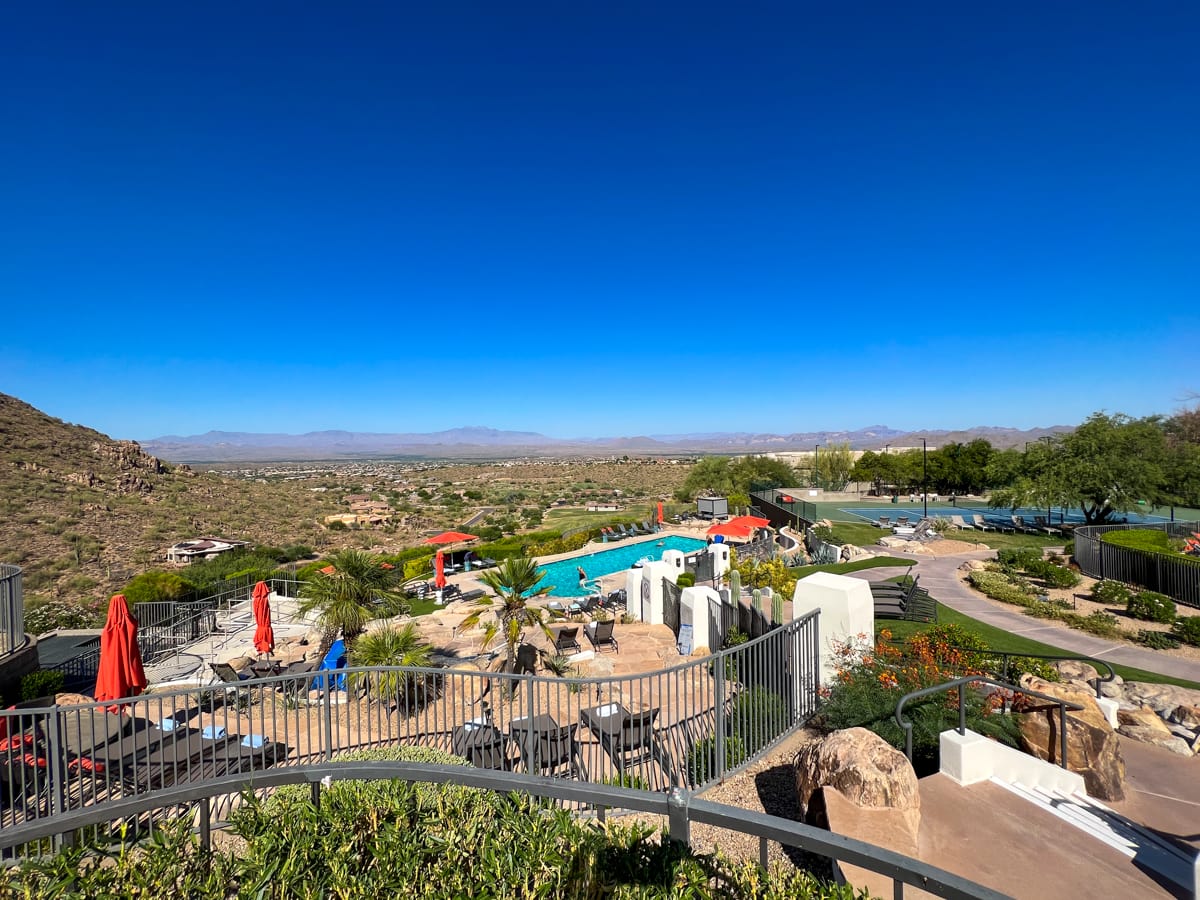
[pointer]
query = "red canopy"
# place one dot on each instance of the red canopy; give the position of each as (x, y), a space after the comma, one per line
(728, 529)
(264, 634)
(120, 672)
(450, 537)
(439, 570)
(660, 518)
(750, 521)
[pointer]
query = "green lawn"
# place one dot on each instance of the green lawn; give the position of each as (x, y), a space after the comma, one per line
(568, 519)
(1001, 640)
(855, 566)
(863, 535)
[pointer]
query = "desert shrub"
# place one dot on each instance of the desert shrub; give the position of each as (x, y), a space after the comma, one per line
(43, 683)
(1003, 587)
(685, 580)
(1187, 629)
(702, 758)
(155, 586)
(1151, 539)
(1054, 576)
(47, 614)
(1113, 592)
(757, 717)
(1150, 606)
(1157, 640)
(1069, 549)
(1099, 623)
(1020, 558)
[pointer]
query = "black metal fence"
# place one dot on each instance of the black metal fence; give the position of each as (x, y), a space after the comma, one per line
(783, 507)
(686, 726)
(12, 609)
(701, 565)
(672, 599)
(1173, 575)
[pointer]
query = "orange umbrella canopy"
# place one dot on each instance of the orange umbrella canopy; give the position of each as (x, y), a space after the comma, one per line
(728, 529)
(750, 521)
(264, 634)
(120, 672)
(450, 537)
(660, 518)
(439, 570)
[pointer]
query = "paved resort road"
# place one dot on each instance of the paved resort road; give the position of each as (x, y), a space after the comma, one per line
(939, 576)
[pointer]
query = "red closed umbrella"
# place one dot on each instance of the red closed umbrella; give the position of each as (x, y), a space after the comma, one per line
(264, 634)
(120, 673)
(439, 571)
(660, 518)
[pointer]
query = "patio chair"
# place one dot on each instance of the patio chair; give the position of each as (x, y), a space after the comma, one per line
(548, 750)
(981, 523)
(1043, 525)
(483, 745)
(1022, 526)
(902, 521)
(885, 522)
(617, 598)
(960, 523)
(567, 639)
(648, 528)
(600, 635)
(584, 607)
(227, 673)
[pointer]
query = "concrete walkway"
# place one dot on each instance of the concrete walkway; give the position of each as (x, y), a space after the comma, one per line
(939, 576)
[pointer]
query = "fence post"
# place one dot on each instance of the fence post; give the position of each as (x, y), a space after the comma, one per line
(58, 770)
(719, 719)
(327, 726)
(678, 825)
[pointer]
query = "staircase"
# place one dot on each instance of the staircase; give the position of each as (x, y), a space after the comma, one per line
(1149, 851)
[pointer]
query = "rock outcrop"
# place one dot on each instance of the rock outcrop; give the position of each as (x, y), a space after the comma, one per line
(864, 769)
(1093, 750)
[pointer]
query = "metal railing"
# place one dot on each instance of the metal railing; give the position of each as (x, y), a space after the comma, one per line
(961, 684)
(680, 808)
(172, 625)
(784, 508)
(12, 609)
(654, 730)
(1170, 574)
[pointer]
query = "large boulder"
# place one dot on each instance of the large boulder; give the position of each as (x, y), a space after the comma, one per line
(865, 770)
(1093, 749)
(1162, 698)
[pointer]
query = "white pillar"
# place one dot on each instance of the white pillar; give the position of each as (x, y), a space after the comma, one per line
(847, 614)
(720, 555)
(633, 593)
(693, 610)
(674, 558)
(654, 573)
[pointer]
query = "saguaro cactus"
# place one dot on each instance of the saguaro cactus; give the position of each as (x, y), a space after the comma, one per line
(735, 585)
(777, 609)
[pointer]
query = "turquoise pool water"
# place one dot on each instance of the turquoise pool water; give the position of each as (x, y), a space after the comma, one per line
(565, 579)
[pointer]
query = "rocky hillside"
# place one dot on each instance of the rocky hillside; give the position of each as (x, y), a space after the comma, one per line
(83, 513)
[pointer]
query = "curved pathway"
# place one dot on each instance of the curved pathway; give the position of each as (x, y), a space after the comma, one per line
(939, 576)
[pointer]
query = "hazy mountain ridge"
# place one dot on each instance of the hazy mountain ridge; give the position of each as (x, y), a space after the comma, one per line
(480, 442)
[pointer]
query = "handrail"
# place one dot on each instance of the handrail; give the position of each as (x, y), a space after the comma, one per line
(680, 807)
(960, 683)
(1007, 654)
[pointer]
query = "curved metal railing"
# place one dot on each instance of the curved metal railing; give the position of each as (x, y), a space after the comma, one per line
(681, 809)
(12, 609)
(961, 684)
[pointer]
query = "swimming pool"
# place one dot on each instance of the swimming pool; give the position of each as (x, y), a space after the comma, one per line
(565, 579)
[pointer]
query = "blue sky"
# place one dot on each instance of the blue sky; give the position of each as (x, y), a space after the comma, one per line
(606, 219)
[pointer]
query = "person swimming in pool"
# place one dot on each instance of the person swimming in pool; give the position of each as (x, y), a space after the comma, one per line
(582, 575)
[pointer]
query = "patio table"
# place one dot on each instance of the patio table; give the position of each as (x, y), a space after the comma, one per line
(484, 746)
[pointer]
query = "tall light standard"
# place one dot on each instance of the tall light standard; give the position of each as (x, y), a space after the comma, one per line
(817, 466)
(924, 478)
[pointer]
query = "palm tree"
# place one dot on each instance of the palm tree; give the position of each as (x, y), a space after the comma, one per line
(360, 587)
(514, 582)
(393, 646)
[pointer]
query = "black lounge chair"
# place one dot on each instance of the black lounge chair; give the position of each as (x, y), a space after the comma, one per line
(228, 674)
(547, 747)
(617, 599)
(600, 635)
(584, 607)
(567, 639)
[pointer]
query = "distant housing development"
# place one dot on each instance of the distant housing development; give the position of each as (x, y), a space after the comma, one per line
(202, 548)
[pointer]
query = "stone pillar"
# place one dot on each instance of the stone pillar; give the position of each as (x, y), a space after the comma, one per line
(847, 614)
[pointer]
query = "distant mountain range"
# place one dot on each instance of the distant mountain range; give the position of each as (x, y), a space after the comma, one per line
(479, 442)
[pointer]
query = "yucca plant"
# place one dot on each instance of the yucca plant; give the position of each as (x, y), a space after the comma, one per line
(515, 583)
(386, 647)
(361, 587)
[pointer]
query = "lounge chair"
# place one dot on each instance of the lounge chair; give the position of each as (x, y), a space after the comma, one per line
(981, 523)
(885, 522)
(567, 639)
(960, 523)
(584, 607)
(228, 674)
(1042, 525)
(902, 521)
(648, 528)
(600, 635)
(617, 598)
(1022, 526)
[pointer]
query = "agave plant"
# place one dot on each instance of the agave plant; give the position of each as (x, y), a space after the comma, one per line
(514, 582)
(388, 647)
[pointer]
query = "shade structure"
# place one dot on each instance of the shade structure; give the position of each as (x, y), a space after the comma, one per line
(727, 529)
(120, 672)
(450, 537)
(264, 634)
(439, 570)
(660, 518)
(750, 521)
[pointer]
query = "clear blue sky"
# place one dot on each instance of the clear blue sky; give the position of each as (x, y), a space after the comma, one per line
(598, 219)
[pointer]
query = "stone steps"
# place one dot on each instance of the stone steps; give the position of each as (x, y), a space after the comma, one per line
(1150, 852)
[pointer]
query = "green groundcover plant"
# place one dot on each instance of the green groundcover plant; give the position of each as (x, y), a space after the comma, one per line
(395, 839)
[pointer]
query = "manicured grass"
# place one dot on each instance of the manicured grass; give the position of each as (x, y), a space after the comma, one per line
(866, 535)
(568, 519)
(422, 607)
(1003, 641)
(855, 566)
(861, 535)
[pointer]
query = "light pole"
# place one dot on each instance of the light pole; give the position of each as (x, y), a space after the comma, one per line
(924, 478)
(817, 466)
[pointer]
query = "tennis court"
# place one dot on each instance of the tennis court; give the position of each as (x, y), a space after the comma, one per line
(914, 511)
